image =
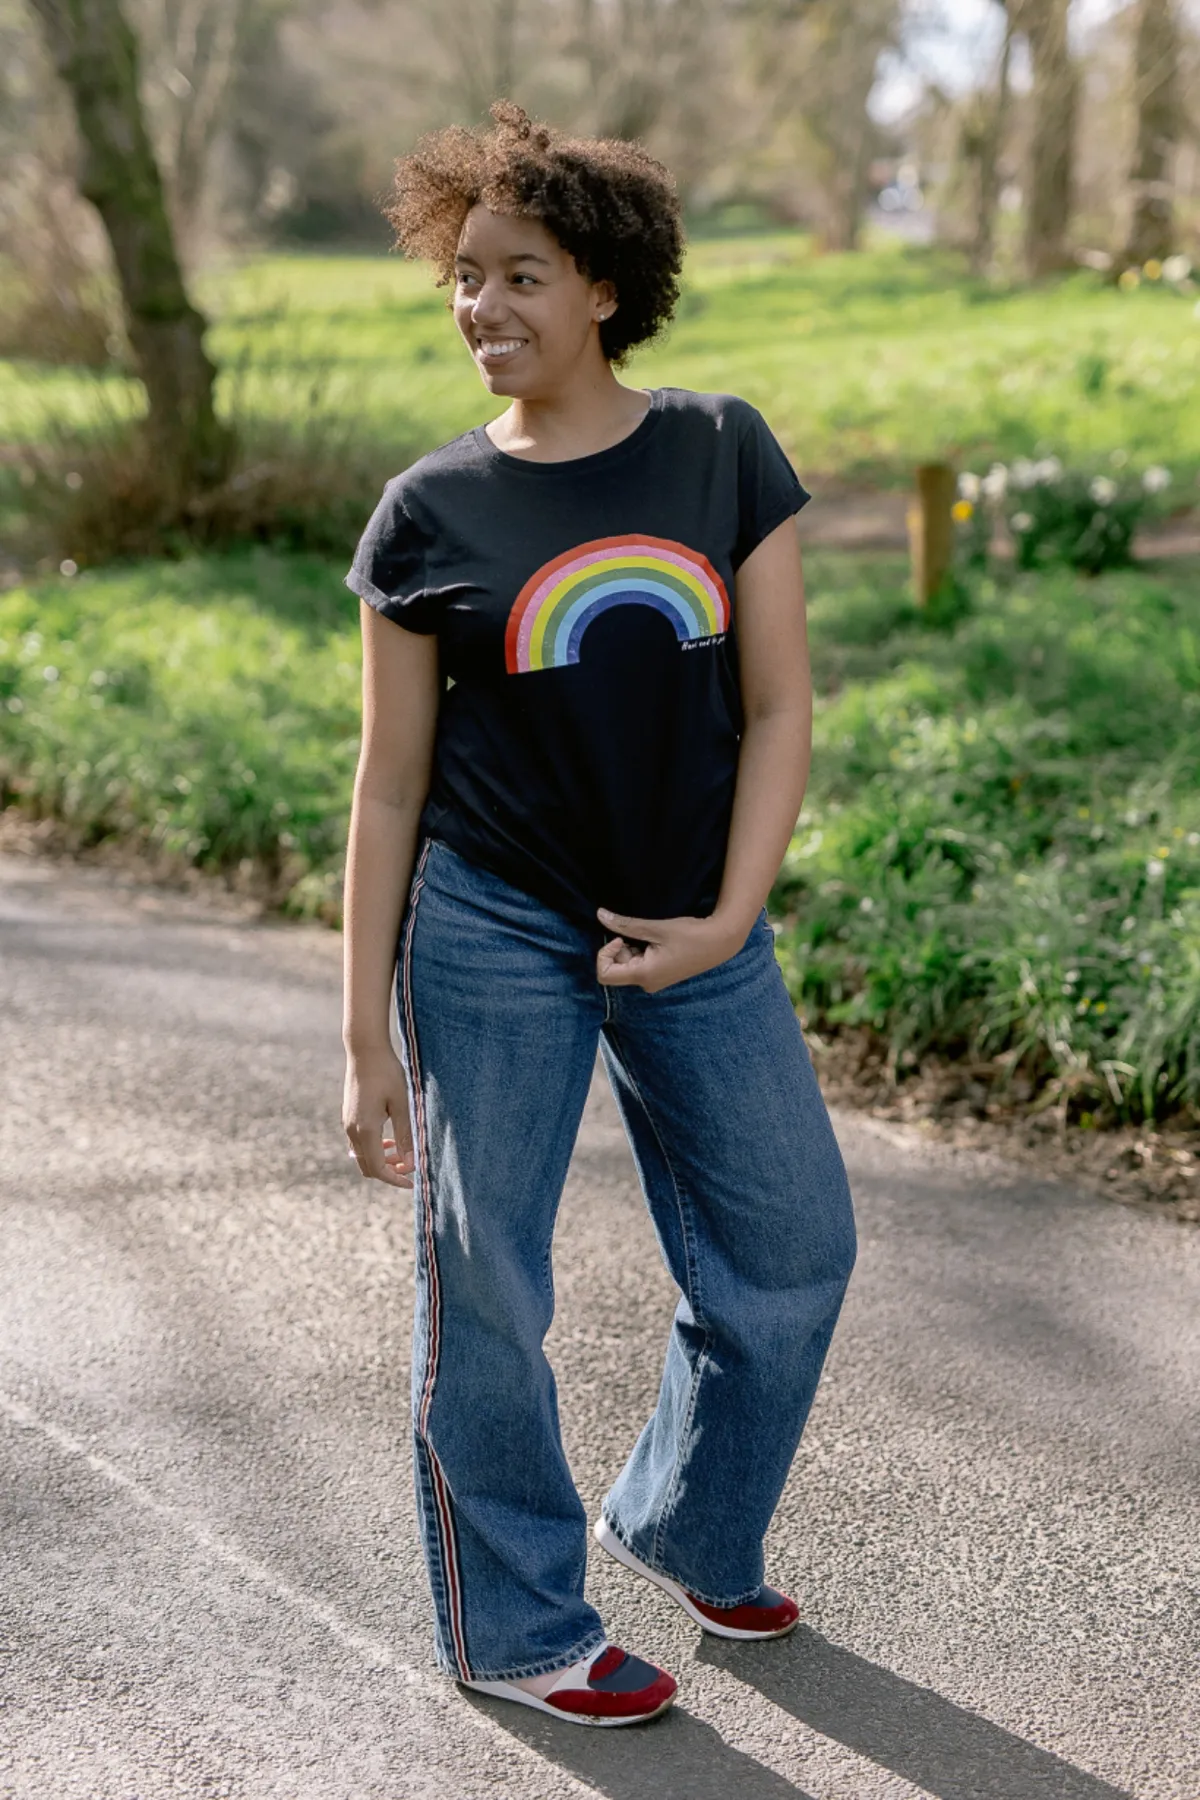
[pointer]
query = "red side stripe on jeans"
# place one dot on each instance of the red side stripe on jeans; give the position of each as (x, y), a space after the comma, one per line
(444, 1517)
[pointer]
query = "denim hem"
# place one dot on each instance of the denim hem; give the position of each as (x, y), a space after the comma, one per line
(527, 1671)
(693, 1593)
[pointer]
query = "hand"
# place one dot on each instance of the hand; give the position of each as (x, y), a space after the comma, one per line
(377, 1090)
(673, 950)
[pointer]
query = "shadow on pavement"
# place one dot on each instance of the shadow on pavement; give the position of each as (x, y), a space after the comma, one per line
(949, 1752)
(678, 1757)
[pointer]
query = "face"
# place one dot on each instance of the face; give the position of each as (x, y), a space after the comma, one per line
(529, 318)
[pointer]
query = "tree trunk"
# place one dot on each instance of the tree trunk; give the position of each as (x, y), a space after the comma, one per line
(1051, 159)
(95, 53)
(1151, 228)
(847, 194)
(990, 149)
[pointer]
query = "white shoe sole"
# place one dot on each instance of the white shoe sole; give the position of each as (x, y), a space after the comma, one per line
(608, 1540)
(506, 1690)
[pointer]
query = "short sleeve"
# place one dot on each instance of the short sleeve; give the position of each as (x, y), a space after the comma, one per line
(768, 489)
(388, 570)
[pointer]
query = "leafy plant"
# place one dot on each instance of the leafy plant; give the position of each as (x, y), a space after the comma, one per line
(1083, 518)
(997, 860)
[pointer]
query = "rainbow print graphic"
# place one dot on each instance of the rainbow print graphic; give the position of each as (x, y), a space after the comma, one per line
(556, 606)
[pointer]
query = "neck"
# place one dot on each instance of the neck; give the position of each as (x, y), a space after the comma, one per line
(590, 413)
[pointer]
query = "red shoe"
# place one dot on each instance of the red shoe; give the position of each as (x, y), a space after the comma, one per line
(768, 1615)
(611, 1688)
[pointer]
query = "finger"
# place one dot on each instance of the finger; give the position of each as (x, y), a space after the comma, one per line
(628, 971)
(615, 956)
(373, 1159)
(618, 951)
(628, 926)
(624, 975)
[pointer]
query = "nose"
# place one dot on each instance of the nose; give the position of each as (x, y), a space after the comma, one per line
(489, 308)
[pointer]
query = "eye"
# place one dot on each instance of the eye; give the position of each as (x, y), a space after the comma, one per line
(522, 276)
(465, 279)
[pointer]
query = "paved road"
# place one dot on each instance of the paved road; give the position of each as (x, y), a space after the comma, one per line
(208, 1577)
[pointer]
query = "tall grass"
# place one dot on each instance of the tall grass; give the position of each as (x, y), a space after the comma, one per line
(1000, 855)
(306, 472)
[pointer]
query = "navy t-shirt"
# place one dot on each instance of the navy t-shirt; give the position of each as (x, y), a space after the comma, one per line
(588, 731)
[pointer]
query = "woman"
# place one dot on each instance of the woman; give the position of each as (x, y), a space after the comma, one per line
(584, 752)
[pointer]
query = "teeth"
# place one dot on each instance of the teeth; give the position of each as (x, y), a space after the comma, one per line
(502, 347)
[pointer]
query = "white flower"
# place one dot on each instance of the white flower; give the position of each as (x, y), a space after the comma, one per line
(1103, 490)
(1048, 469)
(995, 483)
(1023, 472)
(1177, 267)
(969, 486)
(1156, 478)
(1155, 869)
(1022, 521)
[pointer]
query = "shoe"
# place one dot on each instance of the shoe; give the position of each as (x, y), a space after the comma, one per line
(768, 1615)
(610, 1688)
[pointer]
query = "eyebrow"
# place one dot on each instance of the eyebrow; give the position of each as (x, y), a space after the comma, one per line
(520, 256)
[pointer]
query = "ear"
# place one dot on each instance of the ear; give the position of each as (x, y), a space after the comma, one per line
(604, 300)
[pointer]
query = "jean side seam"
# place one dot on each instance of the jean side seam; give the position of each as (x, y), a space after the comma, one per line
(695, 1301)
(550, 1666)
(441, 1509)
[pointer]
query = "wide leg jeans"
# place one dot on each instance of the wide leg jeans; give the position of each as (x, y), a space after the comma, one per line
(500, 1018)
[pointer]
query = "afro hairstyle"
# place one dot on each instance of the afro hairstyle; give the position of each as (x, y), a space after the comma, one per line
(611, 207)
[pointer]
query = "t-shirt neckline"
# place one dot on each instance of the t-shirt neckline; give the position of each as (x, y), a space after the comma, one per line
(577, 464)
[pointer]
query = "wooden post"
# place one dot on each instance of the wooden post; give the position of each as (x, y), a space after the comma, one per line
(931, 529)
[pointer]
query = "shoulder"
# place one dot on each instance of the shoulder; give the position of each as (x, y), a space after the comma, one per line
(437, 475)
(711, 413)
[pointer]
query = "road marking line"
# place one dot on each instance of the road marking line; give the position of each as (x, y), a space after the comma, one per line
(370, 1650)
(367, 1649)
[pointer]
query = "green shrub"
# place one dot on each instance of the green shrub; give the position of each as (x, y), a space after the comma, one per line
(1084, 518)
(1000, 854)
(207, 710)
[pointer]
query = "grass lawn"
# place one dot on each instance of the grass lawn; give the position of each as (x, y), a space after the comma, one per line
(1000, 853)
(864, 364)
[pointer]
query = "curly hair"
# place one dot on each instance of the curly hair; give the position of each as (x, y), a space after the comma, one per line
(611, 207)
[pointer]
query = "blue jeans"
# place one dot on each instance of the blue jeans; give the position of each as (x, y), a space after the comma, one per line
(501, 1014)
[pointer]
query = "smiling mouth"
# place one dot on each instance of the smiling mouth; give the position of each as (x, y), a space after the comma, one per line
(497, 349)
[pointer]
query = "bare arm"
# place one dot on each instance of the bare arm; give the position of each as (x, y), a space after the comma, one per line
(772, 774)
(400, 700)
(776, 747)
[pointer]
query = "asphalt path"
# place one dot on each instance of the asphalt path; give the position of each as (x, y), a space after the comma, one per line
(209, 1579)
